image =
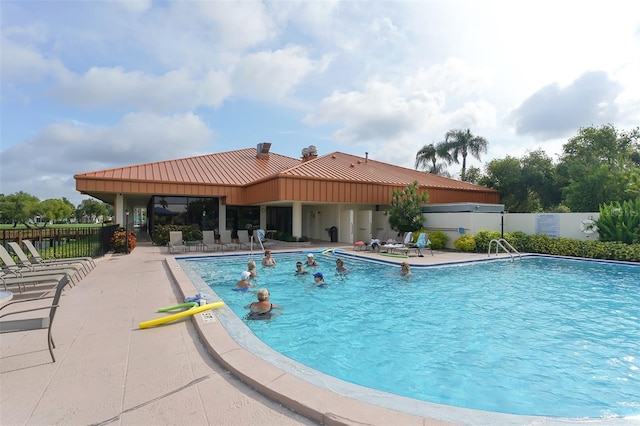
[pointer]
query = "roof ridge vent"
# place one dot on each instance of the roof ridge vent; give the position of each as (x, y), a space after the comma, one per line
(262, 150)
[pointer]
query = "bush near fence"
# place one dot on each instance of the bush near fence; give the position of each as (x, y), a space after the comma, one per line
(543, 244)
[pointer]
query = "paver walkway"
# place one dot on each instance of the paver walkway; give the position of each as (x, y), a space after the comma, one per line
(108, 371)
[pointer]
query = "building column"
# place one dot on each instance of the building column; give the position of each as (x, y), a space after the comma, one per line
(222, 214)
(118, 210)
(296, 219)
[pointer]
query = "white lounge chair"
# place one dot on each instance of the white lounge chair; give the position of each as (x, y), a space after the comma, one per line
(225, 240)
(23, 260)
(209, 241)
(36, 258)
(176, 243)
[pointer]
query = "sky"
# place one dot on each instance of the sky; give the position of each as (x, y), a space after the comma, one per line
(93, 85)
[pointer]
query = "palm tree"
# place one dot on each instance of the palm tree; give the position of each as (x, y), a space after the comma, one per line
(429, 154)
(460, 142)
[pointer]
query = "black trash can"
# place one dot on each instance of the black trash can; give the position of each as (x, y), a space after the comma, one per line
(333, 233)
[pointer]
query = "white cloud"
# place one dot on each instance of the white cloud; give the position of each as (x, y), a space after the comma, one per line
(265, 75)
(114, 87)
(46, 163)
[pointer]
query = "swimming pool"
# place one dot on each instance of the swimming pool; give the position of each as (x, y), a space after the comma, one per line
(543, 337)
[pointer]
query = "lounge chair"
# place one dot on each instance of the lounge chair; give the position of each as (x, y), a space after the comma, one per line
(390, 247)
(10, 267)
(176, 243)
(243, 239)
(421, 242)
(36, 258)
(35, 323)
(209, 241)
(23, 260)
(21, 282)
(225, 240)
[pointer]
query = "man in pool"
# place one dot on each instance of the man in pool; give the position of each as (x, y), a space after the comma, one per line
(340, 268)
(300, 269)
(318, 278)
(262, 309)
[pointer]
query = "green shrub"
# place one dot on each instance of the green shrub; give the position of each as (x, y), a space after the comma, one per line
(160, 235)
(620, 222)
(438, 239)
(465, 243)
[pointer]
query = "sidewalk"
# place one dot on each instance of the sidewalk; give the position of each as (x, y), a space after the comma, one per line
(108, 371)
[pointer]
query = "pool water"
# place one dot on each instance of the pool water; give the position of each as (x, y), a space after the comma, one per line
(535, 337)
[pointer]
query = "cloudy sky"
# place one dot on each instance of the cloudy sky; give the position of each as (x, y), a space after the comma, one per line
(91, 85)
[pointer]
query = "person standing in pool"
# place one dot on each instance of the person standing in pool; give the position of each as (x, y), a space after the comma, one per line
(318, 279)
(311, 261)
(267, 260)
(251, 268)
(300, 269)
(262, 309)
(340, 268)
(405, 270)
(244, 284)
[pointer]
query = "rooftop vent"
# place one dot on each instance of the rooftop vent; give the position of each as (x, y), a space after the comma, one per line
(262, 151)
(309, 153)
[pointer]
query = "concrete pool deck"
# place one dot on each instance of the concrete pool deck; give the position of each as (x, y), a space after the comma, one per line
(187, 372)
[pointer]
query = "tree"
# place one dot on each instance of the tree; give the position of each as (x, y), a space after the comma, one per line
(427, 158)
(405, 214)
(505, 175)
(91, 208)
(599, 166)
(19, 208)
(460, 143)
(55, 210)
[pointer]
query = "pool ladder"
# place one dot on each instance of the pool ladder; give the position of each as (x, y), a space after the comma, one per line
(504, 244)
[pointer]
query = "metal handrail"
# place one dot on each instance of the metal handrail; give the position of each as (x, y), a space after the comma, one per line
(506, 246)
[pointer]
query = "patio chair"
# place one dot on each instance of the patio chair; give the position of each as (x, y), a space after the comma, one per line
(225, 240)
(176, 243)
(36, 258)
(25, 323)
(23, 260)
(390, 246)
(10, 267)
(421, 242)
(21, 282)
(209, 241)
(243, 239)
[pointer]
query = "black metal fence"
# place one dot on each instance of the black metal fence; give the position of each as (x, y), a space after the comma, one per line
(62, 243)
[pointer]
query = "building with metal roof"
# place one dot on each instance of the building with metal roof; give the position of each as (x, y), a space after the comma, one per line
(253, 186)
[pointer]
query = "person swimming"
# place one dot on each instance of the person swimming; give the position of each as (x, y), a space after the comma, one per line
(251, 267)
(263, 308)
(300, 269)
(311, 261)
(405, 269)
(340, 268)
(244, 284)
(318, 279)
(267, 260)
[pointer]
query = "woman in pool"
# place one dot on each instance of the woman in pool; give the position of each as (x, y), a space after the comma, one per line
(405, 270)
(300, 269)
(244, 284)
(311, 261)
(267, 260)
(251, 268)
(262, 309)
(340, 268)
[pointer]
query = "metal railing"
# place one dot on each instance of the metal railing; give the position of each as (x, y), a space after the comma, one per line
(504, 244)
(61, 243)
